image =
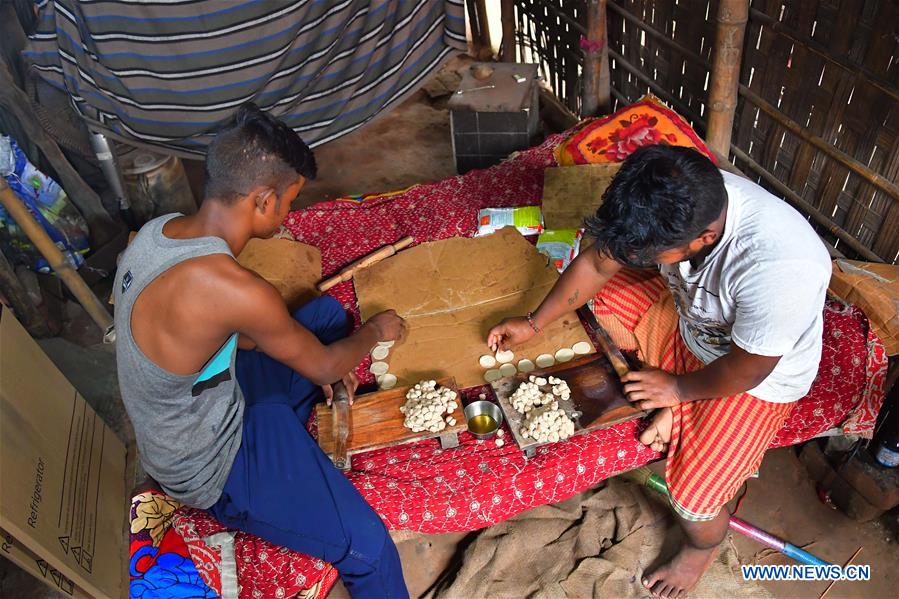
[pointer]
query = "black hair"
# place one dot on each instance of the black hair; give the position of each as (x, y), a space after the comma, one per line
(253, 149)
(662, 198)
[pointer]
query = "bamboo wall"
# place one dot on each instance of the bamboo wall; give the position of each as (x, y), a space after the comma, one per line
(818, 115)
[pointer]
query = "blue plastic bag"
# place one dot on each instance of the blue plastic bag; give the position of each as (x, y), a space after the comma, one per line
(49, 205)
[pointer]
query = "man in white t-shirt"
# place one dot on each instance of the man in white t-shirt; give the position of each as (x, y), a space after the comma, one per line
(747, 277)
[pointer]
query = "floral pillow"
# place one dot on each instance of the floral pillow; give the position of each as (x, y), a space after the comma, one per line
(612, 138)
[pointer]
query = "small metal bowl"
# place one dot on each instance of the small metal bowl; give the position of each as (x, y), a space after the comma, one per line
(483, 408)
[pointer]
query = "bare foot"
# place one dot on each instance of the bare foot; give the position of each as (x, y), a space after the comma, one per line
(658, 434)
(676, 578)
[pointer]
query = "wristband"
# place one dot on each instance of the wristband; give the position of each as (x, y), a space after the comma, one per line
(530, 317)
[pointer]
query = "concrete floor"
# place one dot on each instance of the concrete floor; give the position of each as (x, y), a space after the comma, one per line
(411, 144)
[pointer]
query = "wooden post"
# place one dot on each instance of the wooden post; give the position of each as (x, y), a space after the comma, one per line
(732, 18)
(15, 293)
(486, 51)
(473, 27)
(508, 18)
(595, 94)
(55, 257)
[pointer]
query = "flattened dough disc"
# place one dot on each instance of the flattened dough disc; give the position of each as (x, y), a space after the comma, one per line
(380, 352)
(582, 348)
(492, 375)
(565, 354)
(545, 360)
(504, 356)
(525, 365)
(487, 361)
(507, 369)
(377, 368)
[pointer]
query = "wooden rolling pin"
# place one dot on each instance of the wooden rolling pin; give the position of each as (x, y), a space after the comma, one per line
(348, 272)
(342, 425)
(611, 351)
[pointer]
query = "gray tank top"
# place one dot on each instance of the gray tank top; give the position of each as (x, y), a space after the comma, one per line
(188, 428)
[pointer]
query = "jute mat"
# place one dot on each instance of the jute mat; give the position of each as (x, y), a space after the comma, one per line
(596, 544)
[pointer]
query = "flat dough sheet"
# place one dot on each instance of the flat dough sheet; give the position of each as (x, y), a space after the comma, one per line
(451, 292)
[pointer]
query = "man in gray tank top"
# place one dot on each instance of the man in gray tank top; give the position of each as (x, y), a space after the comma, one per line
(219, 378)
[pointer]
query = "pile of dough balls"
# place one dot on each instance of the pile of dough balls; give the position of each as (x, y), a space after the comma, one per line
(426, 405)
(547, 425)
(545, 421)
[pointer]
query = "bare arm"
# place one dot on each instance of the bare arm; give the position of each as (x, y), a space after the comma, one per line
(582, 280)
(263, 319)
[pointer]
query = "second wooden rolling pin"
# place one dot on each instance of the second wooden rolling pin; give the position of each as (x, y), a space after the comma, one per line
(348, 272)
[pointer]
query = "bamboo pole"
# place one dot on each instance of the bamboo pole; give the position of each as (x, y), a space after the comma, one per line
(508, 19)
(595, 94)
(732, 18)
(55, 257)
(875, 179)
(800, 202)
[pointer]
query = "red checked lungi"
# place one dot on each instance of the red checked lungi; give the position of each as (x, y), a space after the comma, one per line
(716, 444)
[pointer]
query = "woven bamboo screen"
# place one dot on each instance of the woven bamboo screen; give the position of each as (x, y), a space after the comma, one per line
(818, 116)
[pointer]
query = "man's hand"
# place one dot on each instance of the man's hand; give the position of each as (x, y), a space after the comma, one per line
(509, 333)
(389, 326)
(349, 381)
(652, 388)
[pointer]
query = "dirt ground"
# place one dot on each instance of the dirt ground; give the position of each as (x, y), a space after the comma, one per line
(411, 144)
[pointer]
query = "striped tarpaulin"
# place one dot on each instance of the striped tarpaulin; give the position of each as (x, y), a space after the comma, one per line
(167, 72)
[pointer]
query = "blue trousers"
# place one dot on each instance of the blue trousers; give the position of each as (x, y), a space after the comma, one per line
(284, 489)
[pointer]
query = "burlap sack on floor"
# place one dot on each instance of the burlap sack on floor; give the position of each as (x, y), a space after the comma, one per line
(596, 544)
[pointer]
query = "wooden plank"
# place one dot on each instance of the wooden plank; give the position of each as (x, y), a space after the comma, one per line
(376, 421)
(597, 397)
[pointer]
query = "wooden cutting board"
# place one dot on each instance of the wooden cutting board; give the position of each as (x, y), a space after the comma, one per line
(597, 397)
(376, 422)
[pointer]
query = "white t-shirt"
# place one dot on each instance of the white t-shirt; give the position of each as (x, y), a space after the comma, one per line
(762, 287)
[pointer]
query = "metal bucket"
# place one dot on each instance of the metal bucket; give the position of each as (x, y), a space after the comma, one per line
(155, 184)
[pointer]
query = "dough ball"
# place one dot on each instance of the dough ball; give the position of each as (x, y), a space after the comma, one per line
(380, 352)
(387, 381)
(387, 344)
(507, 369)
(500, 442)
(545, 360)
(487, 361)
(492, 375)
(377, 368)
(582, 348)
(565, 354)
(525, 365)
(504, 356)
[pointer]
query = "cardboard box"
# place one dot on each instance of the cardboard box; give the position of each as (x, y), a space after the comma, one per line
(292, 267)
(571, 193)
(874, 288)
(62, 493)
(451, 292)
